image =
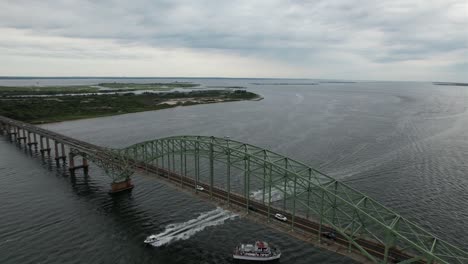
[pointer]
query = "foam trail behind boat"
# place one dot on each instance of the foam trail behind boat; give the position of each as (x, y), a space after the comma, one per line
(276, 194)
(185, 230)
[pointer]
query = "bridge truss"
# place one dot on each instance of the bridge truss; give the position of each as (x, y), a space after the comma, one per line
(262, 178)
(282, 183)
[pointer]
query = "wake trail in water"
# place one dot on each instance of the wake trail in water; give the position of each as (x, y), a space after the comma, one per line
(276, 194)
(185, 230)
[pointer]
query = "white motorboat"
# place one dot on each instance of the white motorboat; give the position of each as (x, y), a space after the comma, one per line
(151, 239)
(281, 217)
(260, 251)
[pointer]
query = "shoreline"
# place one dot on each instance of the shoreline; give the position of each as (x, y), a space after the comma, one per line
(162, 106)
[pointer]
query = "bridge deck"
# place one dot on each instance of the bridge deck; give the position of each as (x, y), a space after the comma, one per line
(79, 144)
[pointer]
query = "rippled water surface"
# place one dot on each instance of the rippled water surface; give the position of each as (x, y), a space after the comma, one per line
(404, 144)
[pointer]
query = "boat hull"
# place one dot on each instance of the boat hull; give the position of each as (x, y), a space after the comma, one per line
(254, 258)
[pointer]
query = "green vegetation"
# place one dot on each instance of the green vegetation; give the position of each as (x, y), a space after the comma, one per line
(227, 87)
(80, 89)
(45, 90)
(61, 108)
(149, 86)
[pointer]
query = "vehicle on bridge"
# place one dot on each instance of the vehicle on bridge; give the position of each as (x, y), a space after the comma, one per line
(252, 208)
(200, 188)
(330, 235)
(281, 217)
(260, 251)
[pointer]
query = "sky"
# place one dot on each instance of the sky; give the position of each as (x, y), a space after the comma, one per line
(407, 40)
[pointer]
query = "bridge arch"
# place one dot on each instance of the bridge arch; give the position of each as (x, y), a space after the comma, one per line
(302, 192)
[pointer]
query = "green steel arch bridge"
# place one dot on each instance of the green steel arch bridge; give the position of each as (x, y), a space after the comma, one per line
(260, 181)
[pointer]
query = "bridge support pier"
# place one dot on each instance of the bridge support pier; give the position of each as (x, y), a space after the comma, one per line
(72, 167)
(30, 142)
(11, 133)
(59, 157)
(3, 128)
(21, 136)
(117, 187)
(41, 145)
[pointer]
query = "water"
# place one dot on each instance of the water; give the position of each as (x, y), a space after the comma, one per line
(404, 144)
(184, 231)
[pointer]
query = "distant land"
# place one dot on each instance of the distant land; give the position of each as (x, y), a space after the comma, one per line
(145, 77)
(47, 104)
(108, 77)
(450, 83)
(313, 83)
(284, 83)
(318, 80)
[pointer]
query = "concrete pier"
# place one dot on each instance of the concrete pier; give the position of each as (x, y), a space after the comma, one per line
(21, 135)
(30, 141)
(48, 149)
(47, 145)
(59, 156)
(3, 129)
(72, 167)
(117, 187)
(11, 133)
(35, 140)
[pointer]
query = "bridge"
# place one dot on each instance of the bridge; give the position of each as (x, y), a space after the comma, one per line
(260, 182)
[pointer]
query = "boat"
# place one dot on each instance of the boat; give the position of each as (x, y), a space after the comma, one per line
(200, 188)
(259, 251)
(281, 217)
(156, 241)
(151, 239)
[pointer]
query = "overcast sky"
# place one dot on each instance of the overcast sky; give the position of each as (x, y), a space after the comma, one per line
(367, 39)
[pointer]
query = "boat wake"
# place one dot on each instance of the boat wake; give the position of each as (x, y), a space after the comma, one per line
(183, 231)
(276, 194)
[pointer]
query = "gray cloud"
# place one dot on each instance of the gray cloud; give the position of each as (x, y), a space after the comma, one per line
(428, 36)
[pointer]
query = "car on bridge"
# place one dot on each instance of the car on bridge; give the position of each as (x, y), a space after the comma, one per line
(330, 235)
(281, 217)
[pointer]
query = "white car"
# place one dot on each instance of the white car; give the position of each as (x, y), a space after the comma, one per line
(281, 217)
(200, 188)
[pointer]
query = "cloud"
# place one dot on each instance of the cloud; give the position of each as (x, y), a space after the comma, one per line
(419, 40)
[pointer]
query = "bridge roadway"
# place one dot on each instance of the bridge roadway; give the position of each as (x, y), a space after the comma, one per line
(72, 142)
(84, 147)
(309, 226)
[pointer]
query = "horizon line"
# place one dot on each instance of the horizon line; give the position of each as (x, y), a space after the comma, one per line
(199, 77)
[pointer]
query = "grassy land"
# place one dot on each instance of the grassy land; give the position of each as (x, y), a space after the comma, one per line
(77, 89)
(54, 108)
(46, 90)
(149, 86)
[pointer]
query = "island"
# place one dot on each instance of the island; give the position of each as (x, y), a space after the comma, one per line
(111, 87)
(450, 83)
(47, 104)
